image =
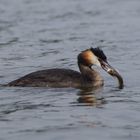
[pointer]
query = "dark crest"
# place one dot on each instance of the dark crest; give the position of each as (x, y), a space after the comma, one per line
(99, 53)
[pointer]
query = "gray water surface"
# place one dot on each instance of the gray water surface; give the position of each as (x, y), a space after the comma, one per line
(41, 34)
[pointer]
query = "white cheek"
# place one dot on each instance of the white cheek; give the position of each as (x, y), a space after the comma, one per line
(96, 61)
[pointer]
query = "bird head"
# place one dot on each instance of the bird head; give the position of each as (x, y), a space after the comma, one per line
(95, 56)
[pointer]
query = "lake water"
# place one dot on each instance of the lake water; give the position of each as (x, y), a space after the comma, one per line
(41, 34)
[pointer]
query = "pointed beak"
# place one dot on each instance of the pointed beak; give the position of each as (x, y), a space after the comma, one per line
(110, 70)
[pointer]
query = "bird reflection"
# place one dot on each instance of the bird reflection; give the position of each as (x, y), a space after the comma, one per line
(90, 97)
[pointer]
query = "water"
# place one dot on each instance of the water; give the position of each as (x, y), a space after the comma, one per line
(42, 34)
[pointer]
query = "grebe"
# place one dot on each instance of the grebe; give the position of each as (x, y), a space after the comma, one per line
(87, 77)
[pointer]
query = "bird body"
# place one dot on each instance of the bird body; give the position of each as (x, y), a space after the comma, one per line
(87, 77)
(55, 78)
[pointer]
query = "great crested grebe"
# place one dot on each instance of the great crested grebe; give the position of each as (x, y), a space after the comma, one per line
(87, 77)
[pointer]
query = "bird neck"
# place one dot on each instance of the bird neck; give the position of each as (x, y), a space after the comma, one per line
(90, 75)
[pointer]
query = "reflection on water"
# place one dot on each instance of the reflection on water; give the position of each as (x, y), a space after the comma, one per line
(90, 97)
